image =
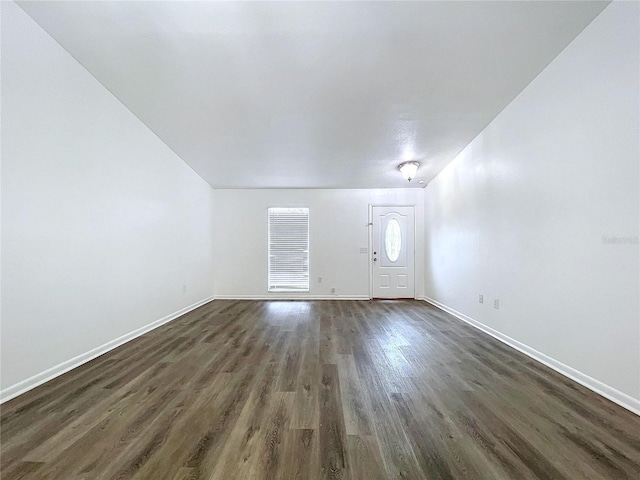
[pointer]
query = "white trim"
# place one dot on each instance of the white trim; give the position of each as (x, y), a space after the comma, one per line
(616, 396)
(275, 296)
(370, 251)
(57, 370)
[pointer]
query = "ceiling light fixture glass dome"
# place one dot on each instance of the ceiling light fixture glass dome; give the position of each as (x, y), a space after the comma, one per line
(409, 169)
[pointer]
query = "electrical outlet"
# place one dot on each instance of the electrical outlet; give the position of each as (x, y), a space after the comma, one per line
(496, 304)
(319, 279)
(333, 291)
(184, 288)
(481, 298)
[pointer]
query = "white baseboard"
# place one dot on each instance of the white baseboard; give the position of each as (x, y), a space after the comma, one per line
(49, 374)
(278, 296)
(616, 396)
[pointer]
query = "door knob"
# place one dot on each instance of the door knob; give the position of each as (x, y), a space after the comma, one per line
(375, 259)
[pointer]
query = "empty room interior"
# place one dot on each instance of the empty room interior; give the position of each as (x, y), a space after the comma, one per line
(313, 240)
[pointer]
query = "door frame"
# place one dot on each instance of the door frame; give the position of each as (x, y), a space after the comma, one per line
(413, 254)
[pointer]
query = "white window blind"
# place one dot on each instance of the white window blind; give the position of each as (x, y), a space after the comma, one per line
(288, 249)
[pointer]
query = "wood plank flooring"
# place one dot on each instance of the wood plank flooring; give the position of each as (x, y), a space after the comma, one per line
(316, 390)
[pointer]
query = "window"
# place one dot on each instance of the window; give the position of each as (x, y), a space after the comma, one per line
(393, 240)
(288, 249)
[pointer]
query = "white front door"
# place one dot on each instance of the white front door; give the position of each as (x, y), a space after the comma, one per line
(393, 252)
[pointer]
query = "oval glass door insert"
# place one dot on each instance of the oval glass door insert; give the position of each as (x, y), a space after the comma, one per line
(393, 240)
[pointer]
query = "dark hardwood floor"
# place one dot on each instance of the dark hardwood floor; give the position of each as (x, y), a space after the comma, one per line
(314, 390)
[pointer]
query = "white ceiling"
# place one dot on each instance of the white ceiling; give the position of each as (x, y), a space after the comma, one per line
(314, 94)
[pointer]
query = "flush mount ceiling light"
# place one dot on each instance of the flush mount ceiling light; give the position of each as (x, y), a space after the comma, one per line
(409, 169)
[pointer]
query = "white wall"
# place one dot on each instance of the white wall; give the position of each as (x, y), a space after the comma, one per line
(337, 230)
(526, 212)
(102, 224)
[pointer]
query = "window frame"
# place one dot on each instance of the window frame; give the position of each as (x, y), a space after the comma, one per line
(272, 286)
